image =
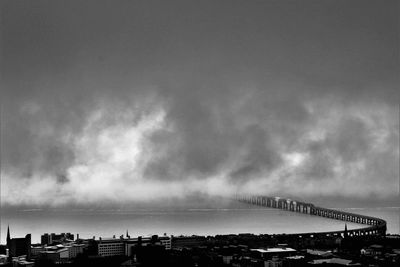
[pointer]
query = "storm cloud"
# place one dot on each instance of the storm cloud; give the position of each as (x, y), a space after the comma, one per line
(126, 101)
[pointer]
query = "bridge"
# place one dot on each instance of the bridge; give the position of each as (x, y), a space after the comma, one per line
(373, 226)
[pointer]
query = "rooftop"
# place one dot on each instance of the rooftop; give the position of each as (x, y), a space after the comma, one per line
(273, 250)
(336, 261)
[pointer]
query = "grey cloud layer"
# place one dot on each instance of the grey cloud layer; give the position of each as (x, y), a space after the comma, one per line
(122, 101)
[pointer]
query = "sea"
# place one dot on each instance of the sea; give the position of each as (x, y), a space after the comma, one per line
(229, 218)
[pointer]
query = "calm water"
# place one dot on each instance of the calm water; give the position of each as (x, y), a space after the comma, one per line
(222, 220)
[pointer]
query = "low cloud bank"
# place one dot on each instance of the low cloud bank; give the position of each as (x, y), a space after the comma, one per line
(151, 149)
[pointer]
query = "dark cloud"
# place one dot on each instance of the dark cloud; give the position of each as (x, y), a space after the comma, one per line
(202, 97)
(261, 155)
(352, 141)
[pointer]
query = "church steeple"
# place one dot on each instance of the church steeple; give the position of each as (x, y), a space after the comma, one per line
(8, 235)
(345, 230)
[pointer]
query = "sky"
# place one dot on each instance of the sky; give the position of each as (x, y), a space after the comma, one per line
(138, 101)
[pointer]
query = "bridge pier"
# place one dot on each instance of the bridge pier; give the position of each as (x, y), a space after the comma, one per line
(291, 206)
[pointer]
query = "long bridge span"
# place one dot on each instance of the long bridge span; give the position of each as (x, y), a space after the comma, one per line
(373, 226)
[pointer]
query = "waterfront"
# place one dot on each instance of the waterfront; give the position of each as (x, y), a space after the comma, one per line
(225, 219)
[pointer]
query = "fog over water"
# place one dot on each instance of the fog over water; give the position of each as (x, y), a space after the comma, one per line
(122, 103)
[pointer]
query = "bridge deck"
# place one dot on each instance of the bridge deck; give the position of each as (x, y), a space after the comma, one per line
(374, 226)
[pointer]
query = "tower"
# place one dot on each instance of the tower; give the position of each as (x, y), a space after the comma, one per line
(8, 236)
(345, 230)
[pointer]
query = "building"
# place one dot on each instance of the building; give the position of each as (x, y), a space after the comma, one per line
(21, 261)
(274, 262)
(272, 253)
(226, 259)
(107, 247)
(314, 253)
(75, 249)
(132, 243)
(55, 254)
(50, 252)
(166, 242)
(35, 251)
(110, 247)
(334, 262)
(19, 246)
(3, 259)
(3, 249)
(187, 241)
(50, 239)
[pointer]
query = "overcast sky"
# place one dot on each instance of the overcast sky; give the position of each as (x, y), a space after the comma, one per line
(120, 101)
